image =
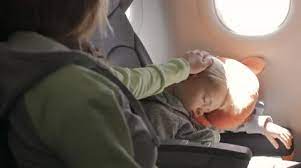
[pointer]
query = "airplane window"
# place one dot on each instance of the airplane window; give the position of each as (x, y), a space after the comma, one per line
(252, 17)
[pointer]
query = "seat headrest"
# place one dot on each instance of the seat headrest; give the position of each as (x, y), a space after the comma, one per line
(123, 4)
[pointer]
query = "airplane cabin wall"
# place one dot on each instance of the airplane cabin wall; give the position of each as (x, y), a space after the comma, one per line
(171, 27)
(151, 24)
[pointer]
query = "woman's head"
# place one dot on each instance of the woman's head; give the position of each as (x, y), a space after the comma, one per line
(58, 19)
(205, 91)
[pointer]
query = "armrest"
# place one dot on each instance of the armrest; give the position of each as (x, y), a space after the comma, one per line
(185, 154)
(258, 144)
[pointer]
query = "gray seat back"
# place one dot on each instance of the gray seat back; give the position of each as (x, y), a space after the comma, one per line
(122, 46)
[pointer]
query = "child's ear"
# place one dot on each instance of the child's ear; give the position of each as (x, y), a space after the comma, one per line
(256, 64)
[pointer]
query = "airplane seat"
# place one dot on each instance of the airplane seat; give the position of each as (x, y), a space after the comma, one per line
(121, 45)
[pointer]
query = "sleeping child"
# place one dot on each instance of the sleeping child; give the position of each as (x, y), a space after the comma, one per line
(223, 97)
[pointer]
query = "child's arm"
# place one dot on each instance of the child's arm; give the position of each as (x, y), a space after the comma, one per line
(153, 79)
(263, 124)
(273, 131)
(260, 124)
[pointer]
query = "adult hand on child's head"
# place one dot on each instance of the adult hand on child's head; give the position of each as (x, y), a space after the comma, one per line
(273, 131)
(198, 60)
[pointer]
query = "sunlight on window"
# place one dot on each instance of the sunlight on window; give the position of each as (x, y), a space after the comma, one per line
(252, 17)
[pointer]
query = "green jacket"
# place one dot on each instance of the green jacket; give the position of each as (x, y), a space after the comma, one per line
(77, 113)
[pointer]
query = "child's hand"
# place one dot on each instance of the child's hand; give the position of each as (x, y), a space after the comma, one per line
(198, 60)
(273, 131)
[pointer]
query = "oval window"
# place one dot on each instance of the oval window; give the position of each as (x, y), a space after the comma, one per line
(252, 17)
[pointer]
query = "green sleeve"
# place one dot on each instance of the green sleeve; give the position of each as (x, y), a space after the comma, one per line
(153, 79)
(78, 115)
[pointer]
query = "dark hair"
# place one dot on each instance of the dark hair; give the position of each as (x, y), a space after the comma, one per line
(58, 19)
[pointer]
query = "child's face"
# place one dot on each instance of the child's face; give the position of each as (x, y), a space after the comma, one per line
(199, 97)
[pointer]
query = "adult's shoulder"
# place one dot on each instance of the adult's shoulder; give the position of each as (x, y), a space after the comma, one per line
(74, 79)
(73, 90)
